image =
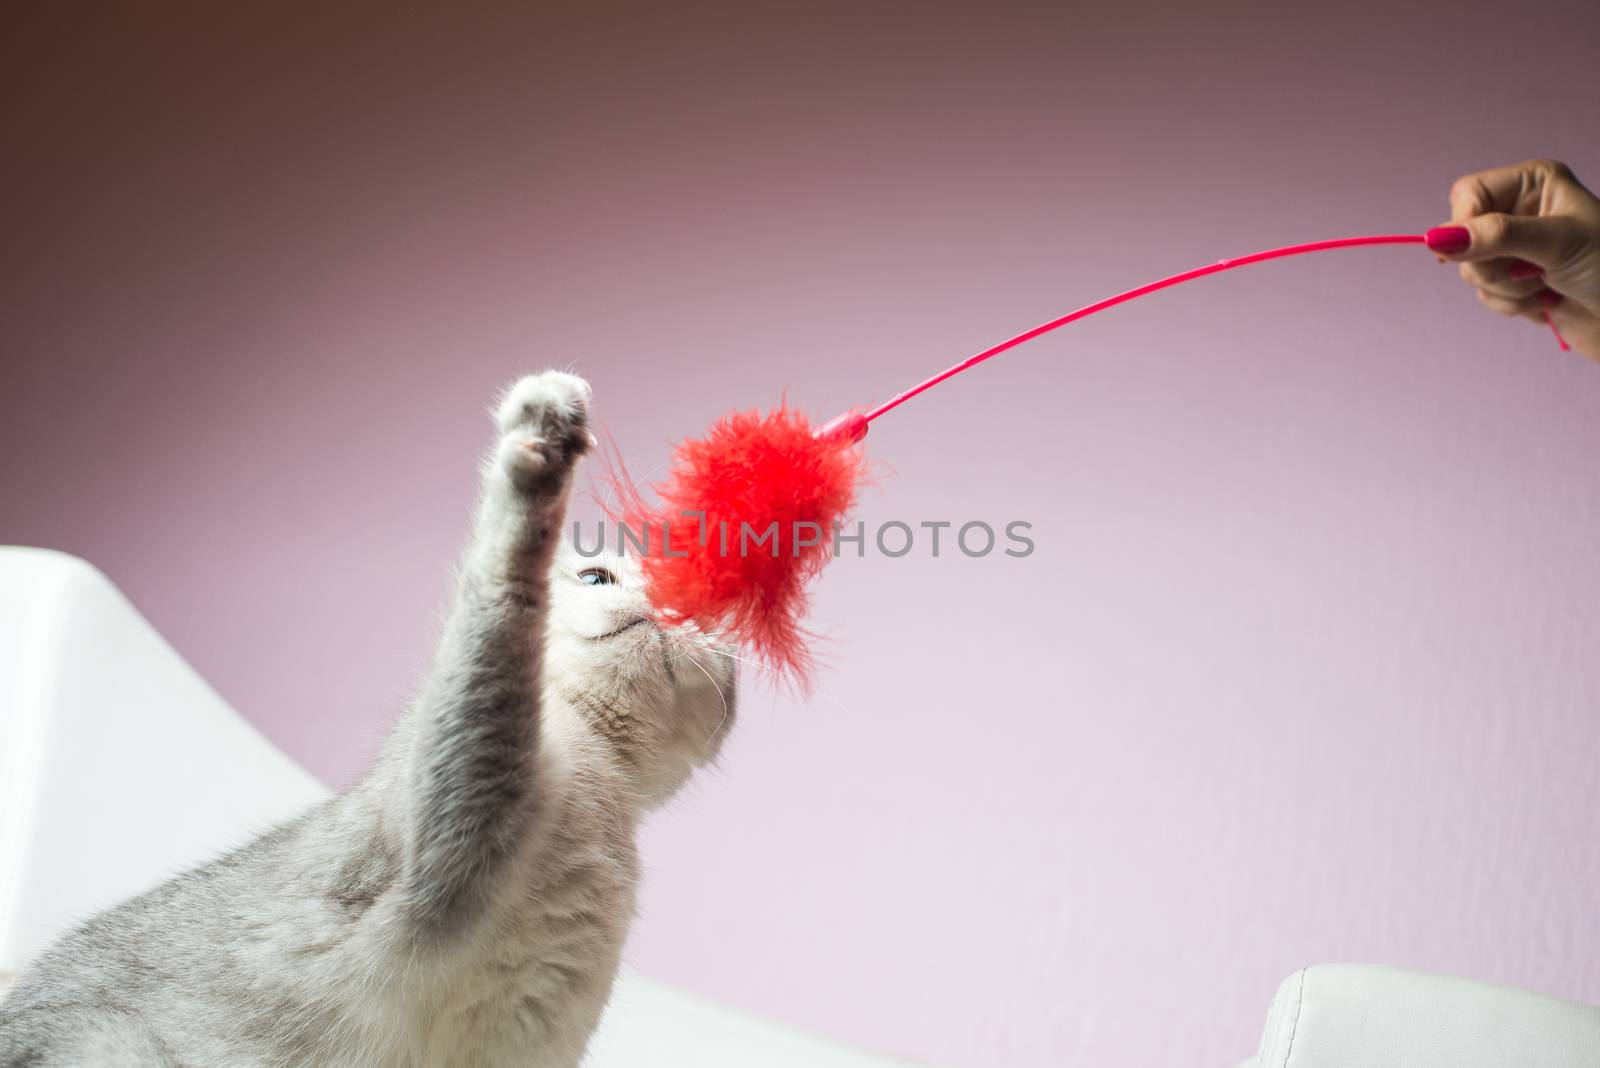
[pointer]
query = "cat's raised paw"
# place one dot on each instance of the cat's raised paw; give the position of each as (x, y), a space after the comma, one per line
(544, 426)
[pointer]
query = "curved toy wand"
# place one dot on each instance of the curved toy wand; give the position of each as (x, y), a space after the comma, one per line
(853, 426)
(774, 473)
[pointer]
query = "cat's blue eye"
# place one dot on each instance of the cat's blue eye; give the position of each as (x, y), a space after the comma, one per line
(596, 576)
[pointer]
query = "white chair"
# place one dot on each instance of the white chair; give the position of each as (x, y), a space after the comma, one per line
(119, 766)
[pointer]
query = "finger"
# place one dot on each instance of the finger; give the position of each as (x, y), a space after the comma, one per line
(1530, 308)
(1514, 189)
(1500, 269)
(1498, 189)
(1546, 242)
(1503, 277)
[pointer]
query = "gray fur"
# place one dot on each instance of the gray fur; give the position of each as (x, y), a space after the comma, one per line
(466, 903)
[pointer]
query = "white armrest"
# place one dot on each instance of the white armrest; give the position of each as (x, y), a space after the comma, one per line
(1362, 1016)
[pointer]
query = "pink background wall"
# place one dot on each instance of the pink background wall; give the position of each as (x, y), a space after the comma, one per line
(1304, 666)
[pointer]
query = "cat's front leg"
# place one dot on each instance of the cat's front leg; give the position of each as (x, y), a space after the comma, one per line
(543, 423)
(472, 795)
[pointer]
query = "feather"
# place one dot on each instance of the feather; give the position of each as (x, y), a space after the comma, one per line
(744, 522)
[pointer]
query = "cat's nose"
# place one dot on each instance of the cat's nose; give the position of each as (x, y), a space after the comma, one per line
(624, 625)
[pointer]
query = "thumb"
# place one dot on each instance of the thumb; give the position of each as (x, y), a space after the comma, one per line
(1543, 240)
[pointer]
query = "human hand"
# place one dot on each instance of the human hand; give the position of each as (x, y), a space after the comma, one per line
(1528, 238)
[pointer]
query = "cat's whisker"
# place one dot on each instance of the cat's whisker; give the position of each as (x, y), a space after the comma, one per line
(735, 656)
(723, 697)
(769, 673)
(611, 484)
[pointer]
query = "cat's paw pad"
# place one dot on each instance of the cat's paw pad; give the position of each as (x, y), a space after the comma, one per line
(544, 426)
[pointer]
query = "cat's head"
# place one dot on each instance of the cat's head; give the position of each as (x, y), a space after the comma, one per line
(663, 696)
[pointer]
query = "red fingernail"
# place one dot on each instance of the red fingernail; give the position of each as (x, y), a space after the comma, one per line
(1549, 298)
(1449, 239)
(1521, 269)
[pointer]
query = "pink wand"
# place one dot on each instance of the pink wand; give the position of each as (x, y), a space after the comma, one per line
(776, 480)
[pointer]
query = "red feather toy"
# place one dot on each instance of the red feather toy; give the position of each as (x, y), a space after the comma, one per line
(744, 523)
(773, 475)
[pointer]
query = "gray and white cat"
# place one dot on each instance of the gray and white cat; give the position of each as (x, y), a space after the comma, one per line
(466, 903)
